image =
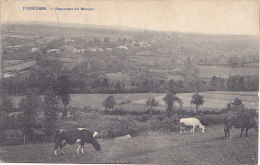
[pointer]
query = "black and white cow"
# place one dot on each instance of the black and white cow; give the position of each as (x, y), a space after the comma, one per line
(75, 135)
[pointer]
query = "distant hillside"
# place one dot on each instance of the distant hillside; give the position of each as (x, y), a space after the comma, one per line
(129, 51)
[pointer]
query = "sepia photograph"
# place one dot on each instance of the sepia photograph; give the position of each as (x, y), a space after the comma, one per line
(129, 82)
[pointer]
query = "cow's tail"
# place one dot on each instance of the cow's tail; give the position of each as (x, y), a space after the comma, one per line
(225, 127)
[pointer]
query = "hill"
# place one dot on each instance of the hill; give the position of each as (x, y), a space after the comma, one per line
(156, 148)
(128, 55)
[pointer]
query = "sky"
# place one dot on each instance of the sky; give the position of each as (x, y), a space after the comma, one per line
(200, 16)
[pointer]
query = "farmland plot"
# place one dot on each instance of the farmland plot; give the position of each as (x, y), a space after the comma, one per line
(225, 72)
(157, 148)
(215, 100)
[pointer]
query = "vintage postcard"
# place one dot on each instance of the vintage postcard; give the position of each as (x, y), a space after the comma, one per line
(129, 82)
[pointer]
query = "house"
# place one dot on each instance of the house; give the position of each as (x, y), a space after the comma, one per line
(122, 47)
(100, 50)
(53, 51)
(15, 115)
(93, 50)
(109, 49)
(34, 49)
(78, 50)
(8, 74)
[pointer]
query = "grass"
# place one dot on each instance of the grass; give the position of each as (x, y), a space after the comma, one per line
(224, 72)
(20, 66)
(213, 100)
(156, 148)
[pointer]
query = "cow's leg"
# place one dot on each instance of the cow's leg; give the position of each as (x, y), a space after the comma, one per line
(228, 129)
(193, 129)
(246, 131)
(82, 149)
(225, 131)
(57, 145)
(62, 149)
(181, 131)
(242, 129)
(82, 143)
(78, 148)
(55, 152)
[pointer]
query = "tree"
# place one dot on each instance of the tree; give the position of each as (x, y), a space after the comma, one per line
(236, 105)
(30, 105)
(105, 83)
(109, 103)
(51, 110)
(197, 100)
(152, 102)
(118, 86)
(62, 89)
(65, 99)
(189, 70)
(106, 40)
(6, 104)
(169, 100)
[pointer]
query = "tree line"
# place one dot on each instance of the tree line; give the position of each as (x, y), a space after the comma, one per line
(94, 84)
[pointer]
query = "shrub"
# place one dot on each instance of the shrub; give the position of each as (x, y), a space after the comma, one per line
(171, 124)
(117, 111)
(12, 137)
(143, 118)
(168, 124)
(119, 127)
(209, 120)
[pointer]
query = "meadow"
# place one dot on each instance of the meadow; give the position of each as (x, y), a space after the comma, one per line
(225, 72)
(213, 100)
(209, 148)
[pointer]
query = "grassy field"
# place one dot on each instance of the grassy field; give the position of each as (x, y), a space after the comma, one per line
(20, 66)
(156, 148)
(213, 100)
(224, 72)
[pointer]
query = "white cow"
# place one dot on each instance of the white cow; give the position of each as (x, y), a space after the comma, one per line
(190, 122)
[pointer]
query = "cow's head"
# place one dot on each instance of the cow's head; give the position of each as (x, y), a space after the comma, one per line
(202, 128)
(95, 134)
(88, 137)
(255, 125)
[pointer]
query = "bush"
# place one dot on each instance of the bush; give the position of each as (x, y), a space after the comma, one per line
(171, 124)
(183, 112)
(143, 118)
(117, 111)
(168, 124)
(12, 137)
(209, 120)
(120, 127)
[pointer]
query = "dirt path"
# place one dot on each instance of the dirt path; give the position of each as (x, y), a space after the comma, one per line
(158, 148)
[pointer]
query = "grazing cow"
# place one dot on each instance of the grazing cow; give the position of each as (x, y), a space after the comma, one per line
(190, 122)
(75, 135)
(239, 121)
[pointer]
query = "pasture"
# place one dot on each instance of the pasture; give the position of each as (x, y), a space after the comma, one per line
(20, 66)
(213, 100)
(225, 72)
(153, 148)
